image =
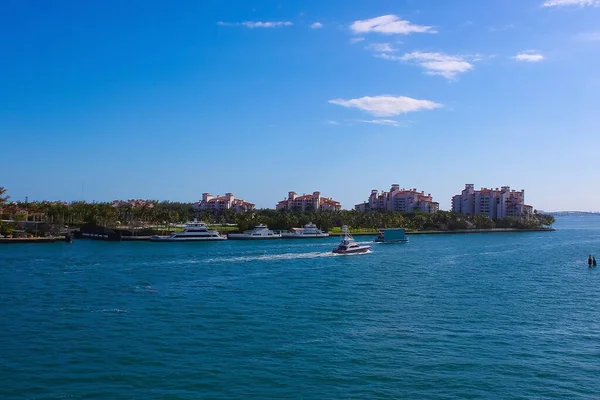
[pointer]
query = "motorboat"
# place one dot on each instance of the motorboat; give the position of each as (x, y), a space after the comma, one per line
(309, 231)
(192, 232)
(258, 233)
(396, 235)
(348, 245)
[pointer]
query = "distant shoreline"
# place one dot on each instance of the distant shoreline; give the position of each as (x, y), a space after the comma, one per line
(458, 231)
(332, 234)
(50, 239)
(492, 230)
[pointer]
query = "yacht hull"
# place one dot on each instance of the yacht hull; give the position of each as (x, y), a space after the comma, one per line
(356, 250)
(308, 236)
(170, 239)
(391, 241)
(240, 237)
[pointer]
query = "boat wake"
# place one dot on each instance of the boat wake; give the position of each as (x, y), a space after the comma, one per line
(270, 257)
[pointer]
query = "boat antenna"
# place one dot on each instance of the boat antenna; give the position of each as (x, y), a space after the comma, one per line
(345, 230)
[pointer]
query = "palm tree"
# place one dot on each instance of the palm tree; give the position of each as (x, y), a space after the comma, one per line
(3, 200)
(3, 196)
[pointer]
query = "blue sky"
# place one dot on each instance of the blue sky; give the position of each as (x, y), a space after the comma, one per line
(148, 99)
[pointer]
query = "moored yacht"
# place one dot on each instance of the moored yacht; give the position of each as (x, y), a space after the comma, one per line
(192, 232)
(348, 245)
(310, 231)
(259, 232)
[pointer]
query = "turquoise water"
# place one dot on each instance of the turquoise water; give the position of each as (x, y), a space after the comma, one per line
(445, 316)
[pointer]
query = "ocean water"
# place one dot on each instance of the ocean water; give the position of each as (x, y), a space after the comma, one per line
(444, 316)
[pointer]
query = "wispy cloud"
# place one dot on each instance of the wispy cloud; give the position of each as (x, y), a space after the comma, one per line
(448, 66)
(386, 105)
(381, 47)
(386, 122)
(316, 25)
(389, 24)
(503, 28)
(529, 56)
(257, 24)
(589, 36)
(331, 122)
(563, 3)
(356, 39)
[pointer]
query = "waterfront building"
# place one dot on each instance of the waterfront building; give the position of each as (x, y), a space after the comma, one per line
(397, 199)
(308, 202)
(495, 203)
(221, 203)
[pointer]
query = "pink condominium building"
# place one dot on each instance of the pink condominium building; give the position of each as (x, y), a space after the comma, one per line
(220, 203)
(308, 202)
(495, 203)
(397, 199)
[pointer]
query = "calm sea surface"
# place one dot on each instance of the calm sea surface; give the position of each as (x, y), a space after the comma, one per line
(444, 316)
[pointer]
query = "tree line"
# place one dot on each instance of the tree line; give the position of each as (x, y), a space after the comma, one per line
(373, 220)
(142, 213)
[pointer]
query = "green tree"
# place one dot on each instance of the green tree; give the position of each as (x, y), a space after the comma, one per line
(3, 196)
(546, 220)
(7, 228)
(483, 222)
(508, 222)
(20, 216)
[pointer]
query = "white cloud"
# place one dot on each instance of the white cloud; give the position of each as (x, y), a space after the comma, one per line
(387, 106)
(441, 64)
(529, 56)
(389, 24)
(334, 122)
(589, 36)
(257, 24)
(316, 25)
(387, 122)
(380, 47)
(356, 39)
(563, 3)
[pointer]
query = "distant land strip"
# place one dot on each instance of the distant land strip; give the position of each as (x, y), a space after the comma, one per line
(457, 231)
(562, 213)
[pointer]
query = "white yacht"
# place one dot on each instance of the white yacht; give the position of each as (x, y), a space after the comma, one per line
(192, 232)
(310, 231)
(260, 232)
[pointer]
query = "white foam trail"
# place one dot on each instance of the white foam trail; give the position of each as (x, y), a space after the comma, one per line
(270, 257)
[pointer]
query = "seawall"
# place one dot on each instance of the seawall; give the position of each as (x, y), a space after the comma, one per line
(493, 230)
(32, 240)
